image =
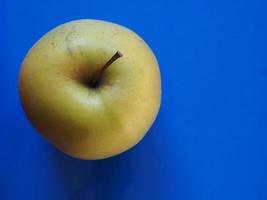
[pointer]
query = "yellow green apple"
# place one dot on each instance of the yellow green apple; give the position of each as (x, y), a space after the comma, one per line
(92, 88)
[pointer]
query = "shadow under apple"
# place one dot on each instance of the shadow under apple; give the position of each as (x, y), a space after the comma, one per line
(99, 179)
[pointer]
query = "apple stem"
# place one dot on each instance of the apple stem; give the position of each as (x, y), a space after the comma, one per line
(95, 79)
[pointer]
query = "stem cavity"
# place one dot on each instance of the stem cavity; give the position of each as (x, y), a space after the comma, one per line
(97, 76)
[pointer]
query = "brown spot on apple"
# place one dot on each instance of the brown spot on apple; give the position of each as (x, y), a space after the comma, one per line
(114, 34)
(53, 44)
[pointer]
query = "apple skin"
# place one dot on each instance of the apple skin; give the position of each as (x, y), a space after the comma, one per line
(85, 122)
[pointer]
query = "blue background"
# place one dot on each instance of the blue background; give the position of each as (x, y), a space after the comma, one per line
(209, 141)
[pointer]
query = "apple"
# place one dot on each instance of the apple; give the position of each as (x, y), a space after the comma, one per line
(92, 88)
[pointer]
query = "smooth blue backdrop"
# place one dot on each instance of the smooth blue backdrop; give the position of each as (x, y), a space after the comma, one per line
(209, 141)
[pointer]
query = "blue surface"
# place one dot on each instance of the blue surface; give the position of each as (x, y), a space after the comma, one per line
(209, 141)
